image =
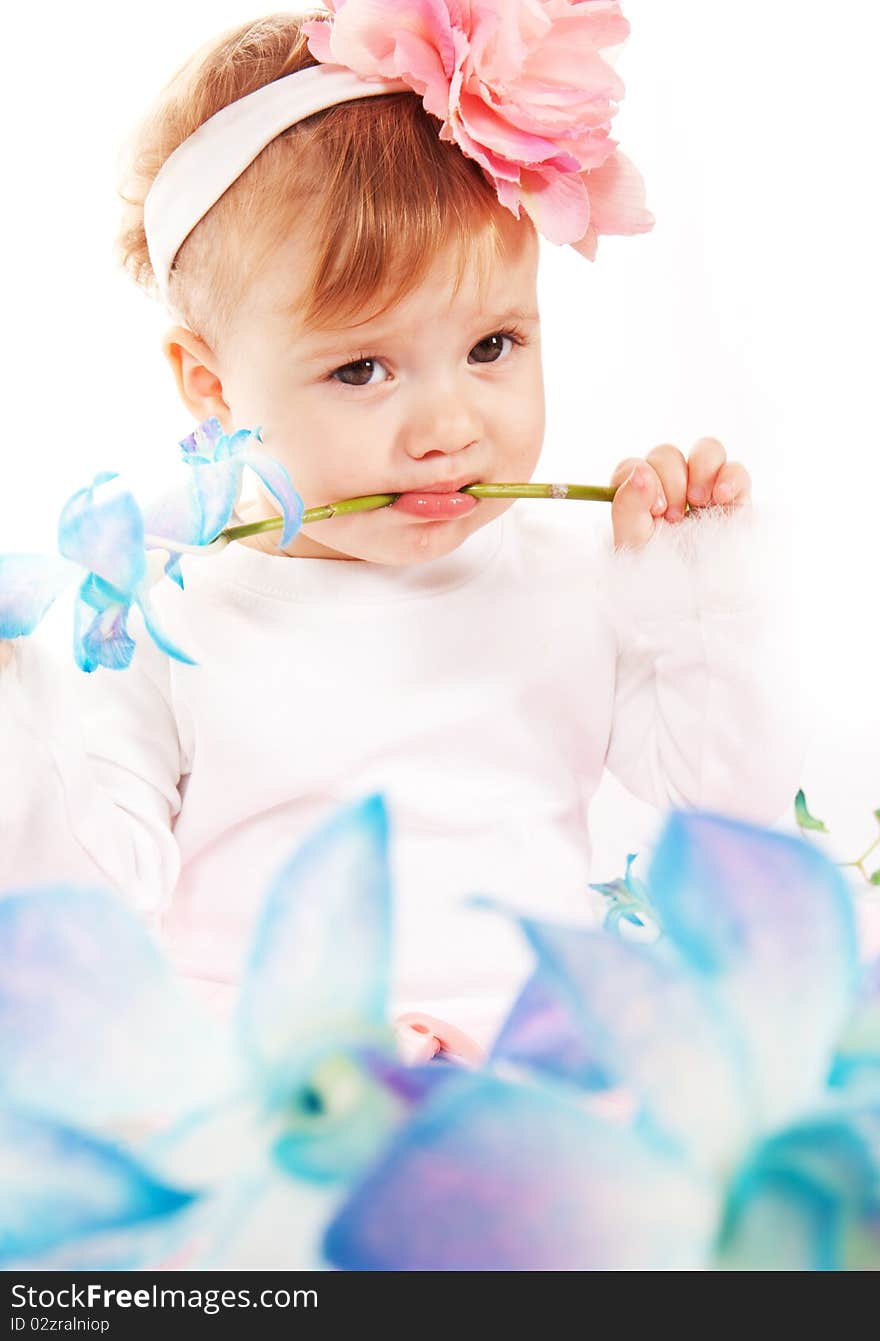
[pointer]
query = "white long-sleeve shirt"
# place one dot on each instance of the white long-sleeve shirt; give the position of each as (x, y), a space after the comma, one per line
(483, 693)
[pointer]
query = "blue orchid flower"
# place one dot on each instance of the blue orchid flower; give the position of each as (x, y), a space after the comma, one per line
(746, 1042)
(199, 511)
(748, 1046)
(138, 1132)
(105, 539)
(101, 545)
(628, 900)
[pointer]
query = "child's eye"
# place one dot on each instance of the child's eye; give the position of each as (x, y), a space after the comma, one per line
(359, 370)
(362, 363)
(492, 347)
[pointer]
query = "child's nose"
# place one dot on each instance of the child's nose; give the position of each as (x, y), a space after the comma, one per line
(444, 422)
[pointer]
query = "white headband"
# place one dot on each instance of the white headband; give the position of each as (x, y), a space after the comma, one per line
(196, 174)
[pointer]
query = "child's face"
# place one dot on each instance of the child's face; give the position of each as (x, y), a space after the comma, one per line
(444, 399)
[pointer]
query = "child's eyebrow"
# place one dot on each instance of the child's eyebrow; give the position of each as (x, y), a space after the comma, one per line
(321, 349)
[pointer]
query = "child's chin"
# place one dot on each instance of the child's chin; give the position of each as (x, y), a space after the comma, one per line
(420, 541)
(429, 540)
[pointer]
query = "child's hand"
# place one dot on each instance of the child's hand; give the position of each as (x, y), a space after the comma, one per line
(661, 484)
(6, 651)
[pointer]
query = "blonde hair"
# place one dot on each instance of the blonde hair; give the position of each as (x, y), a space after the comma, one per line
(382, 194)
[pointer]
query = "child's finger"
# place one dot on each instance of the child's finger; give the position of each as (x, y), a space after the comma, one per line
(704, 463)
(672, 468)
(632, 518)
(623, 471)
(733, 484)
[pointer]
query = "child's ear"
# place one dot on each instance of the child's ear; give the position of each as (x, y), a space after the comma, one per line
(195, 371)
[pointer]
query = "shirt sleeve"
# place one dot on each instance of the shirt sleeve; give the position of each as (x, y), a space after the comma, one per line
(91, 775)
(707, 710)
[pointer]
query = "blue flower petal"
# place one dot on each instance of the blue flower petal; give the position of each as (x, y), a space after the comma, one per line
(29, 583)
(412, 1084)
(277, 480)
(162, 1243)
(215, 488)
(159, 638)
(93, 1028)
(857, 1055)
(318, 969)
(173, 570)
(100, 634)
(261, 1222)
(175, 514)
(217, 460)
(233, 444)
(809, 1199)
(492, 1176)
(102, 529)
(655, 1030)
(197, 509)
(542, 1032)
(203, 439)
(767, 920)
(59, 1185)
(615, 916)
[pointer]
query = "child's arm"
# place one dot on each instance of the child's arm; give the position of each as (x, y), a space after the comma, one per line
(90, 772)
(707, 710)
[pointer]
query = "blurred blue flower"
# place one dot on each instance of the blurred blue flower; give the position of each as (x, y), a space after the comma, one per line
(746, 1046)
(709, 1100)
(628, 900)
(138, 1132)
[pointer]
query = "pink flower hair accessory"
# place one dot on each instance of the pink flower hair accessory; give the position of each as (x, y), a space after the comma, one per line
(521, 87)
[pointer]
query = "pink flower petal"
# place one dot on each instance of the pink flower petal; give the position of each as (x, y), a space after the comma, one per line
(617, 197)
(561, 61)
(502, 34)
(521, 87)
(496, 132)
(500, 169)
(318, 33)
(418, 62)
(597, 23)
(557, 204)
(364, 36)
(551, 113)
(591, 149)
(588, 244)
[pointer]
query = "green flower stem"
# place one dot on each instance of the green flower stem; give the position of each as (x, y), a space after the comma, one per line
(859, 861)
(370, 502)
(590, 492)
(805, 822)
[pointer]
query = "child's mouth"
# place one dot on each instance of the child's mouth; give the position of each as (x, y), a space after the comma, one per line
(435, 506)
(438, 502)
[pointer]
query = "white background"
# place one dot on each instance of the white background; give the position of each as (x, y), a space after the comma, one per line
(749, 313)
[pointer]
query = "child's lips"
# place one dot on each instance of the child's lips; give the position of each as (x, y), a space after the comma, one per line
(439, 506)
(438, 501)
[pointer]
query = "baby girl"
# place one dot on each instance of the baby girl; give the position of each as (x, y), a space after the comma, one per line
(361, 282)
